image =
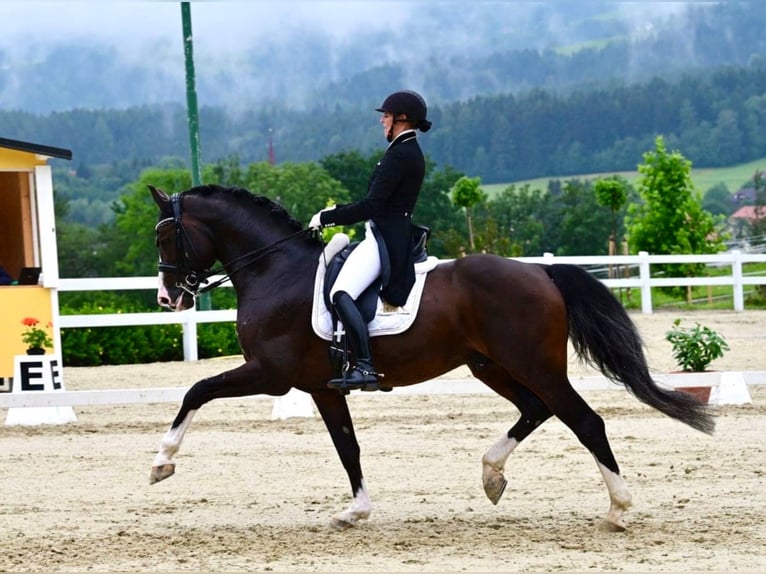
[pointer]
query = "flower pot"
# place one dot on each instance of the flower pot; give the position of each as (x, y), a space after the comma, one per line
(702, 394)
(35, 351)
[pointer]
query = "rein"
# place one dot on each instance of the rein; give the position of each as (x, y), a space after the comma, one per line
(193, 279)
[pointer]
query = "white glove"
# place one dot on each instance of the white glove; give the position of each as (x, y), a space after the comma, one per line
(315, 222)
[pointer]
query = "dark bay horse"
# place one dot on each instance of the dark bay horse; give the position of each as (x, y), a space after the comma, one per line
(508, 321)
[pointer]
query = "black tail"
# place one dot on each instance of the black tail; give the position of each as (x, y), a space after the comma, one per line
(604, 335)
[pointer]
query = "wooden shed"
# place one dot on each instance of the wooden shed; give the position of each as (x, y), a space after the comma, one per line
(27, 244)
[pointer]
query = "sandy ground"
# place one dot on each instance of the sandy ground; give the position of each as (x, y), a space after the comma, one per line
(255, 494)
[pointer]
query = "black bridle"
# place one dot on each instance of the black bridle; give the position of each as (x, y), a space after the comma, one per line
(195, 282)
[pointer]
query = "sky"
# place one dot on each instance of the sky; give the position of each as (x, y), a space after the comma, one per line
(304, 43)
(229, 23)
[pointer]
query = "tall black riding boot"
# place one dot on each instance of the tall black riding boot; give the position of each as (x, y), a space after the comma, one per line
(362, 375)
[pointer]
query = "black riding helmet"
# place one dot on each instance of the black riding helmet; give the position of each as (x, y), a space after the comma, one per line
(410, 104)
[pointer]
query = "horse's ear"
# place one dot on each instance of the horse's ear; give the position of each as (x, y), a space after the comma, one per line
(160, 197)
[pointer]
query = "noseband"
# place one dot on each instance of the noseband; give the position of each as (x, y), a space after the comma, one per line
(194, 282)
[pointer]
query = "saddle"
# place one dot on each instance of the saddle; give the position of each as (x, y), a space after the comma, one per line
(368, 302)
(382, 319)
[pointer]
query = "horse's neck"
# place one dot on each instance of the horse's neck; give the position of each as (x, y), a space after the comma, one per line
(255, 259)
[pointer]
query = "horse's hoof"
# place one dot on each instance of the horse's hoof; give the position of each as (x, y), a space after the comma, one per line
(340, 524)
(607, 526)
(161, 472)
(494, 487)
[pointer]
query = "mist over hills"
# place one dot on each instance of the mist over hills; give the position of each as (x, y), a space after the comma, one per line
(331, 54)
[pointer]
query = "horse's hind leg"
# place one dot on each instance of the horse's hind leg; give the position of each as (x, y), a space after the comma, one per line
(589, 428)
(533, 414)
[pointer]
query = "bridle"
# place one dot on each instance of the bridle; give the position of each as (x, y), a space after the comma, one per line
(195, 282)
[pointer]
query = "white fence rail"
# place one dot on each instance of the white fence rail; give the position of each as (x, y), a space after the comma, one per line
(433, 387)
(643, 281)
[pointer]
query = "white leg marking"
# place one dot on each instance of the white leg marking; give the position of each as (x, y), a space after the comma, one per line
(171, 442)
(619, 497)
(359, 510)
(493, 464)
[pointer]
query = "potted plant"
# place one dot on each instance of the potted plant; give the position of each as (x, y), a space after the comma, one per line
(694, 348)
(35, 338)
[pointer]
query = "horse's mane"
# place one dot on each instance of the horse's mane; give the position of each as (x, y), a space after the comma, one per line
(249, 199)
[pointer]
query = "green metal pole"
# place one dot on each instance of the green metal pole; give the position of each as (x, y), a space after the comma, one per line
(191, 95)
(193, 116)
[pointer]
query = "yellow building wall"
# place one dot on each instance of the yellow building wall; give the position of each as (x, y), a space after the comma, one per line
(16, 303)
(15, 160)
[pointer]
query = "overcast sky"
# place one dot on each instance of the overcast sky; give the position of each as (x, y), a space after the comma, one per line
(223, 23)
(228, 24)
(301, 43)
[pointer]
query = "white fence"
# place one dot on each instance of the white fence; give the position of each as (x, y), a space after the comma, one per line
(642, 281)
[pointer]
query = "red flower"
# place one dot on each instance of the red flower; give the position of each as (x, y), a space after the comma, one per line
(34, 336)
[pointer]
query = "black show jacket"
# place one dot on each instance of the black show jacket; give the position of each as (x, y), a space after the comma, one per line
(391, 197)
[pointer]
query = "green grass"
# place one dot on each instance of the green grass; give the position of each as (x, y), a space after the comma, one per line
(712, 297)
(704, 178)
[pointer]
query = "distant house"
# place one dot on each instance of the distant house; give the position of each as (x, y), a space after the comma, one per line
(742, 220)
(745, 196)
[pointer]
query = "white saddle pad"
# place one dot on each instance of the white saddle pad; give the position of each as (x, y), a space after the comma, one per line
(387, 320)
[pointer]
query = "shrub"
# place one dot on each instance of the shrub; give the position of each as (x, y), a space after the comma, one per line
(696, 347)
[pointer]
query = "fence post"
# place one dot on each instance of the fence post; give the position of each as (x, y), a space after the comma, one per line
(646, 288)
(736, 273)
(189, 327)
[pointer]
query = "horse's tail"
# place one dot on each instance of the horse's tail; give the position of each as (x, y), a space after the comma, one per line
(604, 335)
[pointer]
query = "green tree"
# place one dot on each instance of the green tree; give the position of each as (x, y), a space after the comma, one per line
(717, 200)
(612, 192)
(352, 169)
(758, 226)
(301, 188)
(670, 220)
(581, 223)
(436, 211)
(522, 214)
(80, 250)
(132, 237)
(466, 193)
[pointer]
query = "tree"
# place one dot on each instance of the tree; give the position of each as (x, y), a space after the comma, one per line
(717, 200)
(581, 223)
(758, 226)
(466, 193)
(301, 188)
(131, 239)
(524, 215)
(352, 169)
(436, 211)
(671, 219)
(612, 192)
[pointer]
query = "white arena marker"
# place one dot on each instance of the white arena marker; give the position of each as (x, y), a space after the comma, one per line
(38, 374)
(294, 404)
(731, 390)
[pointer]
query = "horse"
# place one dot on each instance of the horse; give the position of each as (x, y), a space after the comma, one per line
(508, 321)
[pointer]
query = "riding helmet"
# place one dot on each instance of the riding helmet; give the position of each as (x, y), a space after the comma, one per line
(409, 103)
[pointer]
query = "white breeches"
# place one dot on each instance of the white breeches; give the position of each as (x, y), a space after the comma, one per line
(361, 268)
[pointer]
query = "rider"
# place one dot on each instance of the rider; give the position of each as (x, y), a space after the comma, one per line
(391, 196)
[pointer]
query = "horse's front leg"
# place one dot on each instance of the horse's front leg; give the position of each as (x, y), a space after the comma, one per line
(162, 467)
(239, 382)
(335, 414)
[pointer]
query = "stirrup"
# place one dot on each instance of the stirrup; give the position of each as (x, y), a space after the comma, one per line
(356, 379)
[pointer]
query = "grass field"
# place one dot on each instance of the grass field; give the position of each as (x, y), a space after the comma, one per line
(734, 177)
